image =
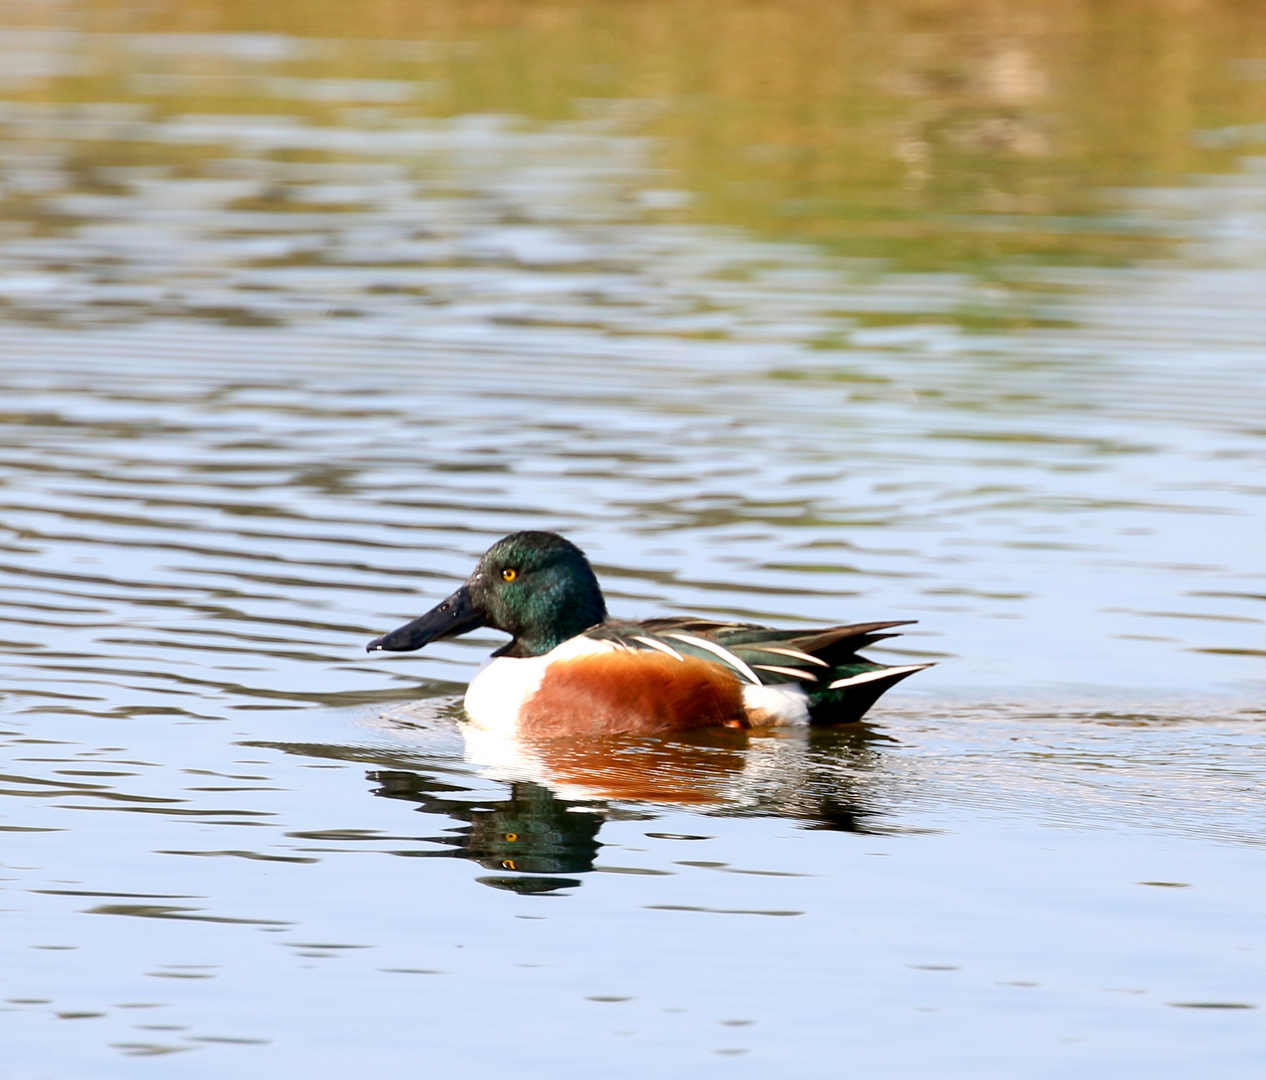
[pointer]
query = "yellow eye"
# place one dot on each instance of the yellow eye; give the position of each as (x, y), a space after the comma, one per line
(511, 837)
(509, 574)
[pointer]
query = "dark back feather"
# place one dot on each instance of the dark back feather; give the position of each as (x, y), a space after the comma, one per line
(813, 659)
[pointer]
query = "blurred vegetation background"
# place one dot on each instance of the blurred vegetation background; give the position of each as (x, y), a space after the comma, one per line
(932, 134)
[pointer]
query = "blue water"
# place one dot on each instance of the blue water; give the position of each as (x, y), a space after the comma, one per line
(238, 440)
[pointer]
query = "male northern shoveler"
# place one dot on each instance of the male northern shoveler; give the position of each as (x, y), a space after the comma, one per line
(570, 670)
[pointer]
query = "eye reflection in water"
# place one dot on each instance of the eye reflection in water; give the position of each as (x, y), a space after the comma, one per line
(549, 825)
(532, 832)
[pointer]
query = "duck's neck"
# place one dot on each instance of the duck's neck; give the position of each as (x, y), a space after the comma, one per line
(568, 620)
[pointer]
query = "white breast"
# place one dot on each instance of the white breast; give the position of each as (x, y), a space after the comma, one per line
(499, 690)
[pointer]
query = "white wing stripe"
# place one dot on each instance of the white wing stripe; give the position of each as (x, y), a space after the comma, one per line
(871, 676)
(794, 672)
(661, 646)
(795, 654)
(724, 654)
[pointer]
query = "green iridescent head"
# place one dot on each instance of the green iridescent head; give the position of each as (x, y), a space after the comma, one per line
(535, 586)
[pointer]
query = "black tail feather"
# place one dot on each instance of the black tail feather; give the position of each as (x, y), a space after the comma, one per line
(849, 704)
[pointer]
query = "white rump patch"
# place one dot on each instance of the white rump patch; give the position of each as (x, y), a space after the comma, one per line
(776, 706)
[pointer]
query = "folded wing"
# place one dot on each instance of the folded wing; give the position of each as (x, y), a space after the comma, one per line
(840, 685)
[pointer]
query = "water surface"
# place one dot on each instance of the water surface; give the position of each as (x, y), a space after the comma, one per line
(906, 315)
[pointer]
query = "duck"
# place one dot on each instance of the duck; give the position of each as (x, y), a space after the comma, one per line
(569, 669)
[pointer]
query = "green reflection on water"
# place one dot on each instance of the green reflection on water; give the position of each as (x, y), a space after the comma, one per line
(927, 135)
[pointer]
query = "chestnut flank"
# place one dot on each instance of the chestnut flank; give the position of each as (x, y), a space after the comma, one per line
(636, 693)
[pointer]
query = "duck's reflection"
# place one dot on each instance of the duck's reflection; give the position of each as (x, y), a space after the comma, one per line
(532, 832)
(548, 825)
